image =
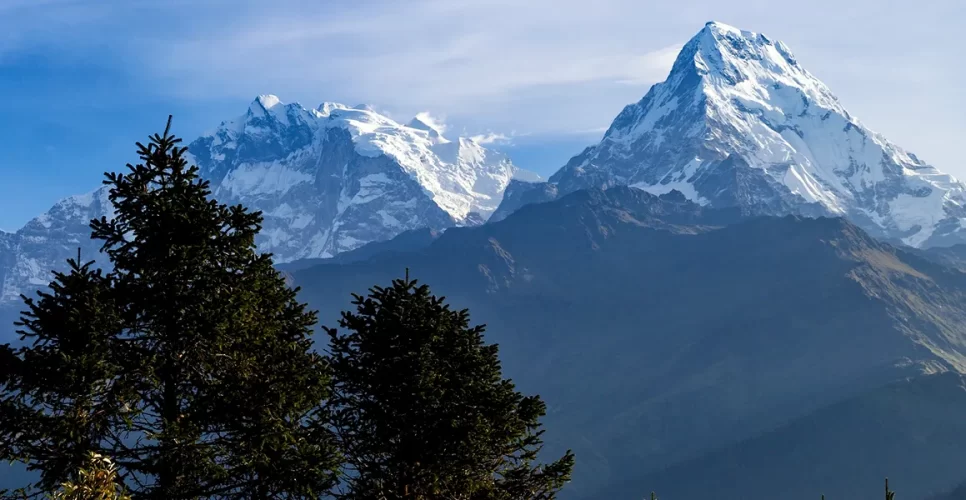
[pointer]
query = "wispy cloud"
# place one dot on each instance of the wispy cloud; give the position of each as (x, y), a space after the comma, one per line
(436, 122)
(474, 60)
(416, 53)
(650, 67)
(539, 66)
(491, 138)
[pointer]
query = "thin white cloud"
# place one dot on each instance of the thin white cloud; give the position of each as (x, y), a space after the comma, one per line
(436, 122)
(417, 54)
(491, 138)
(650, 67)
(539, 66)
(590, 131)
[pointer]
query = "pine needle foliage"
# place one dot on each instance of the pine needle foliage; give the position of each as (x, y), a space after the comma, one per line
(189, 362)
(421, 409)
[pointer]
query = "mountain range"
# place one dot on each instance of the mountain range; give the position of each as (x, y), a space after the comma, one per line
(327, 180)
(669, 337)
(740, 292)
(738, 123)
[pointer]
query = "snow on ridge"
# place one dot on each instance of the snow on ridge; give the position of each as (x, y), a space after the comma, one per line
(290, 163)
(425, 121)
(268, 104)
(326, 108)
(527, 176)
(80, 208)
(268, 101)
(455, 173)
(789, 116)
(263, 179)
(737, 92)
(318, 199)
(462, 176)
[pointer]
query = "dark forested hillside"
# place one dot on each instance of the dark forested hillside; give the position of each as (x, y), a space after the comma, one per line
(914, 429)
(958, 493)
(658, 330)
(669, 339)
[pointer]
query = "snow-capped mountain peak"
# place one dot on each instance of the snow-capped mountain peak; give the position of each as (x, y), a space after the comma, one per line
(739, 121)
(265, 102)
(28, 255)
(326, 108)
(268, 107)
(335, 177)
(424, 121)
(326, 179)
(461, 176)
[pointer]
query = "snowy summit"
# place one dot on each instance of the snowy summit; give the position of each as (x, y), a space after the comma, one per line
(335, 177)
(740, 122)
(327, 180)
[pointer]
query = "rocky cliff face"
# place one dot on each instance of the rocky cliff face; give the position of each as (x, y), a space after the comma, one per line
(46, 242)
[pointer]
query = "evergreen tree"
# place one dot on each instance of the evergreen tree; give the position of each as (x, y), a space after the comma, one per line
(190, 362)
(421, 410)
(57, 399)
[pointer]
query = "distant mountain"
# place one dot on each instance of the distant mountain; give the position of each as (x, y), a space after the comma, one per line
(659, 330)
(739, 122)
(334, 178)
(407, 241)
(913, 431)
(958, 493)
(954, 256)
(28, 256)
(328, 180)
(520, 193)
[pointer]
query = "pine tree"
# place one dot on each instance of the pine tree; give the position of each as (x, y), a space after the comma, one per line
(56, 396)
(190, 362)
(421, 410)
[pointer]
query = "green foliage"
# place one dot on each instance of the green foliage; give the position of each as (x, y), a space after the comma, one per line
(421, 410)
(58, 397)
(96, 481)
(190, 362)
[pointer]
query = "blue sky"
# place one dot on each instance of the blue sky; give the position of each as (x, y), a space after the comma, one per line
(81, 80)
